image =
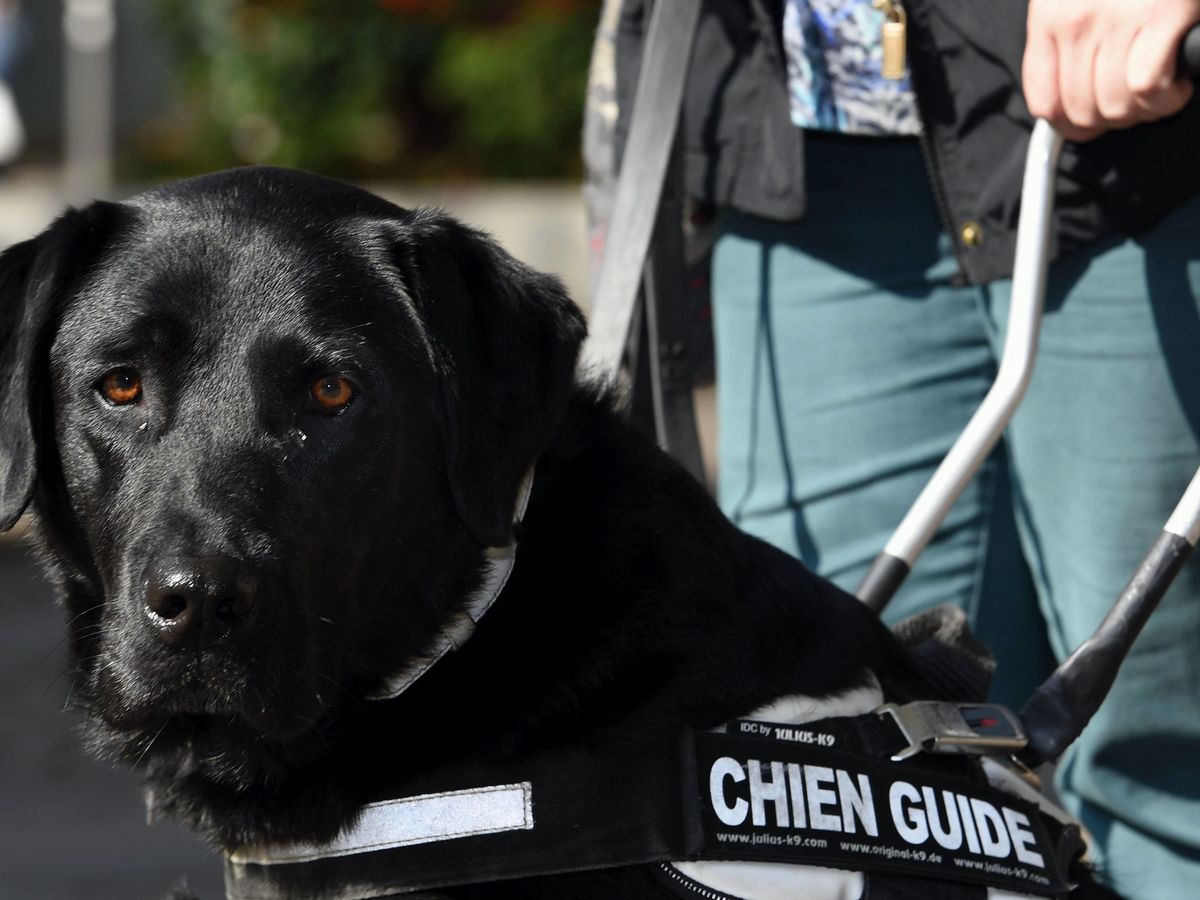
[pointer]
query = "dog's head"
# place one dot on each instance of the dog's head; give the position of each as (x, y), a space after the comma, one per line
(267, 424)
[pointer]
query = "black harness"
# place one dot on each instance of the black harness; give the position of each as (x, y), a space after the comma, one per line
(829, 793)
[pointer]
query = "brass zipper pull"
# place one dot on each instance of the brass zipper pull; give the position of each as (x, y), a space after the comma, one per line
(894, 37)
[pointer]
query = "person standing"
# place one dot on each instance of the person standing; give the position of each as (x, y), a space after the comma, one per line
(860, 290)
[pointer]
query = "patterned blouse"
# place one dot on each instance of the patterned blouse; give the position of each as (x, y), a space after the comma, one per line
(834, 51)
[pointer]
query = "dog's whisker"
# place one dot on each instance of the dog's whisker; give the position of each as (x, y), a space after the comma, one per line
(337, 684)
(90, 609)
(54, 681)
(319, 618)
(352, 328)
(87, 631)
(142, 756)
(303, 718)
(73, 666)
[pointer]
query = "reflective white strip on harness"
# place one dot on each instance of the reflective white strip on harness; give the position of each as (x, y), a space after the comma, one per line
(413, 820)
(498, 566)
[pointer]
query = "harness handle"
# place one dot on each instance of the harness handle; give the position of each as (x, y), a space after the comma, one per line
(1061, 707)
(976, 441)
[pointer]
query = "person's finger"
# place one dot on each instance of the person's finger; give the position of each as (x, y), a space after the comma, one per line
(1150, 69)
(1076, 63)
(1074, 133)
(1114, 99)
(1039, 76)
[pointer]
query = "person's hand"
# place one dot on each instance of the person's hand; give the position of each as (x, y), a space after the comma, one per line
(1094, 65)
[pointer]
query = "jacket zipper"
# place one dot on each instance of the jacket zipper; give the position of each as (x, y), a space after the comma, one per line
(935, 183)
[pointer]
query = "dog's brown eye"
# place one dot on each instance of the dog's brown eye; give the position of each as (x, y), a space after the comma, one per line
(121, 387)
(332, 393)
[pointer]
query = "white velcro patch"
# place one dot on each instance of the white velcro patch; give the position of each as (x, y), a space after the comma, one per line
(413, 820)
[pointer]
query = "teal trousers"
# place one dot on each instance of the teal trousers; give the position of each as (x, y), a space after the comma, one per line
(849, 357)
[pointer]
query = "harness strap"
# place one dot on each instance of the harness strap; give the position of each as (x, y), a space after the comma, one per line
(823, 794)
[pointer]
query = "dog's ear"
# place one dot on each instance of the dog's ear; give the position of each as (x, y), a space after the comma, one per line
(18, 319)
(504, 340)
(32, 276)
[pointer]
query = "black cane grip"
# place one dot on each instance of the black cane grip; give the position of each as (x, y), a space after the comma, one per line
(1187, 64)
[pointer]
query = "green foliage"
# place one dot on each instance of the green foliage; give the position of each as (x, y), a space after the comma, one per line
(377, 87)
(520, 90)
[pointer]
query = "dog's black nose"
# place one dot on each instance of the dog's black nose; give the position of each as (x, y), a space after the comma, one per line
(199, 602)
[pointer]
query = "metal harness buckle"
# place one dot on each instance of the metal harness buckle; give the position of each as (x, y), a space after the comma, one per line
(978, 729)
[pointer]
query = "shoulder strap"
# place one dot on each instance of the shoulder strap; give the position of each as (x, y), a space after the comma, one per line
(649, 206)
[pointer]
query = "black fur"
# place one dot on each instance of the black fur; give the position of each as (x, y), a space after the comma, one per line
(634, 605)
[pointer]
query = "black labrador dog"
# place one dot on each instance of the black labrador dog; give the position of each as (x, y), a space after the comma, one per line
(269, 426)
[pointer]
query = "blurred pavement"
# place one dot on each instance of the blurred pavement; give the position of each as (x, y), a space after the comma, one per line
(71, 828)
(539, 223)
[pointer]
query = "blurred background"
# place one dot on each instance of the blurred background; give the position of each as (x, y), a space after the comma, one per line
(474, 105)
